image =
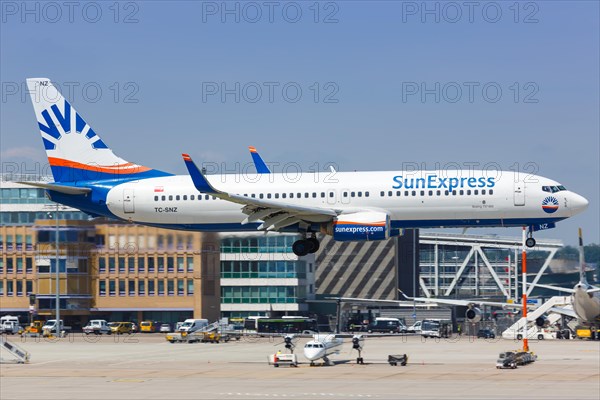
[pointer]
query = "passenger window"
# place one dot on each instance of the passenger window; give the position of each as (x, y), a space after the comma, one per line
(469, 192)
(177, 197)
(359, 194)
(322, 195)
(382, 193)
(163, 198)
(414, 192)
(314, 195)
(482, 191)
(398, 193)
(454, 193)
(366, 194)
(345, 194)
(170, 197)
(206, 197)
(446, 192)
(352, 194)
(330, 194)
(306, 195)
(438, 193)
(262, 196)
(268, 195)
(155, 198)
(291, 195)
(185, 196)
(192, 197)
(406, 192)
(283, 195)
(491, 191)
(462, 192)
(431, 192)
(422, 193)
(214, 198)
(476, 192)
(276, 195)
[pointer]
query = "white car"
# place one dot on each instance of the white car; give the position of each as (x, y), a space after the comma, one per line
(165, 328)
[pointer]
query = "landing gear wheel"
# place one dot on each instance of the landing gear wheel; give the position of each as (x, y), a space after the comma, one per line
(313, 244)
(301, 247)
(530, 242)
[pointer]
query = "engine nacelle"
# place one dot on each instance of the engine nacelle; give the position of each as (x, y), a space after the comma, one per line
(364, 225)
(473, 314)
(542, 322)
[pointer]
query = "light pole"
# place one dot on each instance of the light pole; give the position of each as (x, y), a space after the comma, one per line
(57, 274)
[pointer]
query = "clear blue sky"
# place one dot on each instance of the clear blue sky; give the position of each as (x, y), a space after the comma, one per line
(374, 58)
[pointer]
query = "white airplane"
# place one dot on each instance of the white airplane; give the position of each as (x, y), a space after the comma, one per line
(585, 298)
(321, 347)
(350, 206)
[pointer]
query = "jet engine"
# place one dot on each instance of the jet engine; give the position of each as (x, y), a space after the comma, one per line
(364, 225)
(542, 322)
(473, 314)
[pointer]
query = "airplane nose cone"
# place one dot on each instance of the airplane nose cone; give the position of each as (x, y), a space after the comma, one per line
(578, 203)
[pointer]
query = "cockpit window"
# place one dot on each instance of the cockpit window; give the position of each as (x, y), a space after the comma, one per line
(553, 189)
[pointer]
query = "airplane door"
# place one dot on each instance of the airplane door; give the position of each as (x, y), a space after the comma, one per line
(519, 193)
(331, 198)
(128, 206)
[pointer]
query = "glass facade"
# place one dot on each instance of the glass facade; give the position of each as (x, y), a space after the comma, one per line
(256, 244)
(263, 269)
(259, 294)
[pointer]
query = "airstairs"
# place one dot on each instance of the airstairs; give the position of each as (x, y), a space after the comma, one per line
(20, 354)
(529, 322)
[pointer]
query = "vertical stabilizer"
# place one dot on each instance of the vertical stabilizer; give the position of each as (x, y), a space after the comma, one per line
(75, 151)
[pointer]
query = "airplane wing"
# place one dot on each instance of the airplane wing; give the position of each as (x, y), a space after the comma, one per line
(557, 288)
(275, 215)
(467, 303)
(260, 165)
(399, 303)
(564, 311)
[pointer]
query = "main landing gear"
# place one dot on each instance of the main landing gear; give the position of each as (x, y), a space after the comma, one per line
(306, 246)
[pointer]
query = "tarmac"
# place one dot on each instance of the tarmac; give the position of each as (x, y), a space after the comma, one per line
(145, 366)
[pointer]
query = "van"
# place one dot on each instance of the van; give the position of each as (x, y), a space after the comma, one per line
(391, 325)
(148, 326)
(192, 325)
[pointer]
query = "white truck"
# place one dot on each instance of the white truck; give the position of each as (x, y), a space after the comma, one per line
(415, 328)
(50, 327)
(191, 325)
(10, 324)
(97, 327)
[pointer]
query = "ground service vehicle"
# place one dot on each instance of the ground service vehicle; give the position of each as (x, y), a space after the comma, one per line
(97, 327)
(50, 326)
(486, 333)
(119, 328)
(35, 328)
(286, 325)
(391, 325)
(148, 326)
(415, 328)
(440, 328)
(191, 325)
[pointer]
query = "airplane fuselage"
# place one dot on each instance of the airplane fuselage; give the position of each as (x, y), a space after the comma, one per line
(424, 199)
(585, 305)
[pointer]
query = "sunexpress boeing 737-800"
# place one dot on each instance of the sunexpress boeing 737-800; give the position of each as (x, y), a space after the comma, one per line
(350, 206)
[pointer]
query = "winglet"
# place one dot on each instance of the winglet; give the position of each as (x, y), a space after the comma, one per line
(405, 296)
(260, 165)
(197, 176)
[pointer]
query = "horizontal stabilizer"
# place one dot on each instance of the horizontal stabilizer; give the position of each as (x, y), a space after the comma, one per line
(58, 188)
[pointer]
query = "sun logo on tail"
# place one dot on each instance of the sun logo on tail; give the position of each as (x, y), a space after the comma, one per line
(550, 204)
(67, 120)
